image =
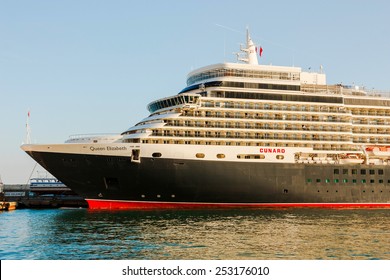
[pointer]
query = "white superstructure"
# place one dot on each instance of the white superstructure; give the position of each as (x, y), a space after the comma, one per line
(251, 112)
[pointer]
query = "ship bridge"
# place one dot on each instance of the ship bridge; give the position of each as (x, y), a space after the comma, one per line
(182, 100)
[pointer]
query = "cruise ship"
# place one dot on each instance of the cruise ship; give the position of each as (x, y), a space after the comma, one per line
(238, 135)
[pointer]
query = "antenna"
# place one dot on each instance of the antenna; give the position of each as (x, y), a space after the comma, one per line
(224, 40)
(249, 53)
(28, 129)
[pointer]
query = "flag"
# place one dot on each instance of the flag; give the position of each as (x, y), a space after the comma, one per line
(28, 114)
(259, 50)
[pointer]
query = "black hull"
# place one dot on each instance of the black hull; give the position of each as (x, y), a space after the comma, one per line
(112, 178)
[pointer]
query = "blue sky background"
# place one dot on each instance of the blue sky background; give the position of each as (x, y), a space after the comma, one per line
(91, 66)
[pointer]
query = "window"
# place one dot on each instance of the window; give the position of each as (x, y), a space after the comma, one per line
(156, 155)
(220, 156)
(251, 156)
(380, 171)
(345, 180)
(336, 171)
(336, 180)
(363, 172)
(363, 181)
(354, 171)
(372, 172)
(372, 181)
(280, 157)
(309, 180)
(199, 155)
(327, 180)
(345, 171)
(318, 180)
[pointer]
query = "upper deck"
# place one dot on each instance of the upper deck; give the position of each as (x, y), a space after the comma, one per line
(244, 72)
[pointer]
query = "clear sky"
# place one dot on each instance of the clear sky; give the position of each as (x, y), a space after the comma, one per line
(90, 66)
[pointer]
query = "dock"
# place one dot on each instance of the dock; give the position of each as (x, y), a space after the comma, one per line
(55, 201)
(22, 196)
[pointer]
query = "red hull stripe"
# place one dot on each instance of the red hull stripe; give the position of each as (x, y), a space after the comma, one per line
(121, 204)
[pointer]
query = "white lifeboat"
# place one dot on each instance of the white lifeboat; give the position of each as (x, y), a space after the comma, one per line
(379, 151)
(351, 159)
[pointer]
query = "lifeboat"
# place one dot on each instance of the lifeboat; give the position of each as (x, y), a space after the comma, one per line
(380, 151)
(351, 159)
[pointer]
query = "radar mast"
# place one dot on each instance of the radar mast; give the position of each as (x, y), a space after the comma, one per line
(248, 54)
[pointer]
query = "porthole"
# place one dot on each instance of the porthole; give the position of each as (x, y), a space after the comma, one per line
(199, 155)
(280, 157)
(156, 155)
(220, 156)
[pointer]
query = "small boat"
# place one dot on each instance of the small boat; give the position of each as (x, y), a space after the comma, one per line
(380, 151)
(351, 159)
(48, 185)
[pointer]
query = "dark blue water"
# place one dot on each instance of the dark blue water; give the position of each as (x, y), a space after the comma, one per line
(205, 234)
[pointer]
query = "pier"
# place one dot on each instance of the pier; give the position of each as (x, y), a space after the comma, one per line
(22, 196)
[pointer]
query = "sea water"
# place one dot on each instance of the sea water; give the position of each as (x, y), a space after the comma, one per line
(298, 234)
